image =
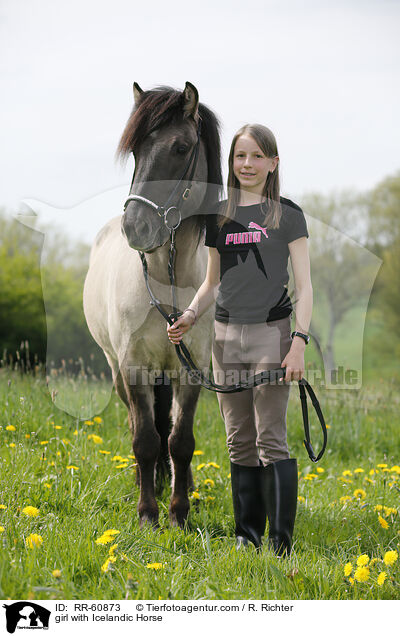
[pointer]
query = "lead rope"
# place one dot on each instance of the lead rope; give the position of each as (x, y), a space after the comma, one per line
(271, 376)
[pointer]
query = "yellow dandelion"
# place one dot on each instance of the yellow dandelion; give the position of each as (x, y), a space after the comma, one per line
(131, 456)
(57, 428)
(382, 465)
(213, 465)
(359, 493)
(10, 427)
(27, 436)
(347, 473)
(373, 471)
(105, 538)
(1, 529)
(124, 465)
(72, 467)
(117, 458)
(195, 495)
(363, 559)
(88, 422)
(154, 566)
(383, 522)
(345, 480)
(381, 578)
(75, 432)
(348, 568)
(345, 499)
(378, 508)
(104, 452)
(97, 419)
(390, 557)
(200, 466)
(96, 439)
(47, 485)
(320, 470)
(106, 565)
(309, 477)
(12, 445)
(30, 511)
(209, 482)
(351, 581)
(301, 499)
(373, 562)
(361, 574)
(209, 498)
(44, 442)
(395, 469)
(3, 507)
(56, 574)
(389, 511)
(34, 541)
(359, 470)
(112, 532)
(198, 452)
(112, 549)
(368, 480)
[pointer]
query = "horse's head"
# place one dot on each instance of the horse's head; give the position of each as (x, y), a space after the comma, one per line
(171, 152)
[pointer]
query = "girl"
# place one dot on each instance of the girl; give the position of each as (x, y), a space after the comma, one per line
(250, 239)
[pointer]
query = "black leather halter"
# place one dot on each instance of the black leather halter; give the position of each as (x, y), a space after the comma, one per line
(272, 376)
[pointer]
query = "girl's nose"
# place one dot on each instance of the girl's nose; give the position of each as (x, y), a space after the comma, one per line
(247, 160)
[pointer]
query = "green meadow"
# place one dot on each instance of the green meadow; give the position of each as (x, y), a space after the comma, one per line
(69, 527)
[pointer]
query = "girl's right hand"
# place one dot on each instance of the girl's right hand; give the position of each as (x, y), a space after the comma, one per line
(180, 326)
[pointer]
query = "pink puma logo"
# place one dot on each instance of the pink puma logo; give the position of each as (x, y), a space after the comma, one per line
(258, 227)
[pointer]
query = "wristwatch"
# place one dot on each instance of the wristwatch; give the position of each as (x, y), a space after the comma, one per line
(301, 335)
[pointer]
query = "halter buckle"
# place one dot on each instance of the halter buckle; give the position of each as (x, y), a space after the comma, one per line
(186, 194)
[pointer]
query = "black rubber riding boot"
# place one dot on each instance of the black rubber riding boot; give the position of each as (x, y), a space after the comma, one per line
(280, 482)
(248, 504)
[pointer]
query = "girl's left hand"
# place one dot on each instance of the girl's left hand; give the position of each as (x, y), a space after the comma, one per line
(294, 361)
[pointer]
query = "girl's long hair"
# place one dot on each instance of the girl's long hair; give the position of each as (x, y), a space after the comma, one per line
(271, 208)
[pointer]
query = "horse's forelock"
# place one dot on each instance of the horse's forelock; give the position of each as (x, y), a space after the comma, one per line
(156, 108)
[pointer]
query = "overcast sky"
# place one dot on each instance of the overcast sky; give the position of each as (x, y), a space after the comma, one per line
(323, 76)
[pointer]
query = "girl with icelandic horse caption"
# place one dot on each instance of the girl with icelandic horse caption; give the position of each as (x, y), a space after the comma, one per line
(250, 238)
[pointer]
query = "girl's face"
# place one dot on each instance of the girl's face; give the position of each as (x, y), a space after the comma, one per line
(250, 165)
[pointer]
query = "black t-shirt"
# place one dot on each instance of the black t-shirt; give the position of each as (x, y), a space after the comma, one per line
(254, 262)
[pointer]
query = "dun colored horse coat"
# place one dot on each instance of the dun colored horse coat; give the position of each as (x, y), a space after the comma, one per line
(161, 133)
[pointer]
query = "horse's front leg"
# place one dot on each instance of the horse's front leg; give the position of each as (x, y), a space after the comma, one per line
(181, 446)
(146, 447)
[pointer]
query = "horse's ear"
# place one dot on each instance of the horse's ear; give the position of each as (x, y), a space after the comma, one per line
(190, 101)
(137, 91)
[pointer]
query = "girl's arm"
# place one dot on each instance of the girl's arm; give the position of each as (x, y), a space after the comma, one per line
(300, 259)
(204, 297)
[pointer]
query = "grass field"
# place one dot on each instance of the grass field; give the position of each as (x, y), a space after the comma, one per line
(69, 527)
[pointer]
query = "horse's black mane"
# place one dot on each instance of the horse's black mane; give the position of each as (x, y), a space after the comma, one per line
(159, 107)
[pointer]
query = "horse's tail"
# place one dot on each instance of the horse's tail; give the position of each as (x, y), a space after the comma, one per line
(162, 420)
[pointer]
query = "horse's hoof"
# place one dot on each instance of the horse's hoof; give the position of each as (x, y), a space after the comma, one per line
(178, 518)
(147, 522)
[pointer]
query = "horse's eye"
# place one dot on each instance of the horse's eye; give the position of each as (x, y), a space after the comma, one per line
(182, 149)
